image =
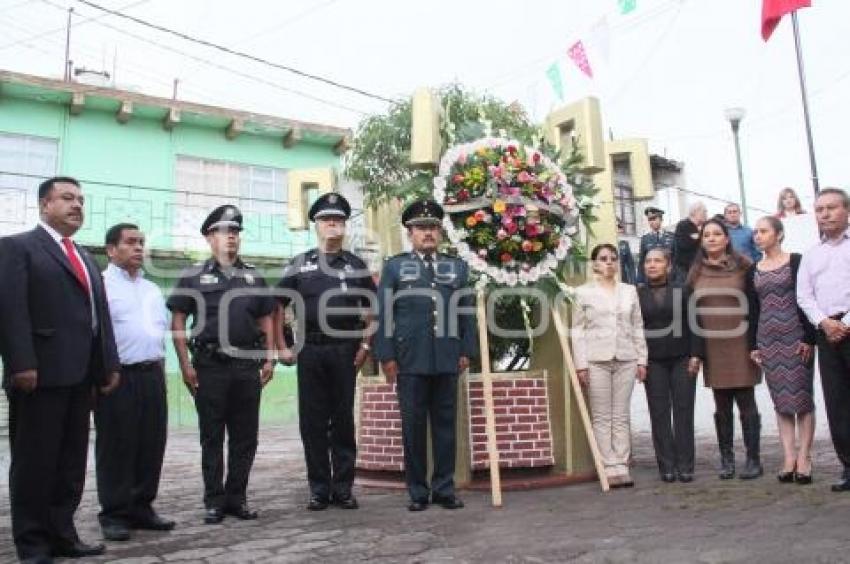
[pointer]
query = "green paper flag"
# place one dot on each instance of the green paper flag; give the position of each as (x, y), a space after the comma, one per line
(627, 6)
(553, 73)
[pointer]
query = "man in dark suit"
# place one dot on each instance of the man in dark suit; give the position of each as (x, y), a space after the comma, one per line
(56, 342)
(426, 337)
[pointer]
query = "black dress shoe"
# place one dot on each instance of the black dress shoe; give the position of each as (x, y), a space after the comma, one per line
(241, 511)
(115, 532)
(450, 502)
(153, 523)
(786, 477)
(803, 479)
(685, 477)
(317, 503)
(668, 477)
(78, 549)
(345, 501)
(213, 516)
(842, 486)
(417, 505)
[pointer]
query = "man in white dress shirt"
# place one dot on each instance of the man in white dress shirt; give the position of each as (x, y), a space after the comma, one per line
(132, 423)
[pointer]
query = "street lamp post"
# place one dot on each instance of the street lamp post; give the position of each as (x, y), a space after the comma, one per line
(735, 115)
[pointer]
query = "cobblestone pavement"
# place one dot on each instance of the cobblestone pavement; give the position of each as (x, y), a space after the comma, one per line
(706, 521)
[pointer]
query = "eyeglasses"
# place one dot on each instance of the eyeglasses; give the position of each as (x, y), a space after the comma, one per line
(606, 259)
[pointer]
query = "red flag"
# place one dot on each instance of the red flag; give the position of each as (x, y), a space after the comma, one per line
(773, 10)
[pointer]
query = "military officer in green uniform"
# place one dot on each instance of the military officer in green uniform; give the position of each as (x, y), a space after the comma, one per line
(426, 336)
(657, 237)
(232, 359)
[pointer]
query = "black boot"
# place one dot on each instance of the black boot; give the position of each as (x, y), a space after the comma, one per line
(725, 431)
(751, 428)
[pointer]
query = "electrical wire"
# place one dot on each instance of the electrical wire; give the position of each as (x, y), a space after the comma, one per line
(237, 53)
(41, 34)
(219, 66)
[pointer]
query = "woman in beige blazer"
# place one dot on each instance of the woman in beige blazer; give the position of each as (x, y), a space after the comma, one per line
(610, 352)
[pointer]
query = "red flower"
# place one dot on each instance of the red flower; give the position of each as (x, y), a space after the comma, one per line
(506, 257)
(527, 246)
(512, 149)
(463, 195)
(457, 178)
(536, 158)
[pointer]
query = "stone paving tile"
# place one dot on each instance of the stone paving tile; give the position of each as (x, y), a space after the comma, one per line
(708, 521)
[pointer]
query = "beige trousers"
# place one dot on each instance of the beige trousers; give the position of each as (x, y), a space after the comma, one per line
(610, 394)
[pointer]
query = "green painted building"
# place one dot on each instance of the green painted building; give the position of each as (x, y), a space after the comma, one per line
(164, 164)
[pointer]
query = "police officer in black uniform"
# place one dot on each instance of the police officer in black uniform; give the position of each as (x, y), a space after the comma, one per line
(323, 280)
(657, 237)
(232, 359)
(424, 340)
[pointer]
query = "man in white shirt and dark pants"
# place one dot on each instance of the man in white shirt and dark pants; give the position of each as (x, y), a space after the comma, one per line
(132, 424)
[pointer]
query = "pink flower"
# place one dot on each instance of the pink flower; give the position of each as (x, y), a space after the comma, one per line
(462, 158)
(482, 253)
(532, 230)
(512, 228)
(524, 177)
(527, 246)
(501, 234)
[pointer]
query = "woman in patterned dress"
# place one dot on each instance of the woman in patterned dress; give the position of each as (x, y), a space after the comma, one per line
(785, 341)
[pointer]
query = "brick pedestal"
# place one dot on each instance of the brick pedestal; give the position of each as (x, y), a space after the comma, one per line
(523, 425)
(523, 428)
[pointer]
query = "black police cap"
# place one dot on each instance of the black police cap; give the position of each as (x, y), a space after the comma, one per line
(422, 212)
(227, 216)
(330, 205)
(652, 210)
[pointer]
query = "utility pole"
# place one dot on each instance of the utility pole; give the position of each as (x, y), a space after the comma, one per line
(67, 69)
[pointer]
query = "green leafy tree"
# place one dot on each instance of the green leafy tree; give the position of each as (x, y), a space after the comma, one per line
(380, 161)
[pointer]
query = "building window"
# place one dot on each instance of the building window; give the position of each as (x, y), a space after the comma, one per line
(25, 161)
(624, 198)
(254, 186)
(310, 195)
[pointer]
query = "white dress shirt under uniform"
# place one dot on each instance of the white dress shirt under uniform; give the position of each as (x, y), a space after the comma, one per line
(139, 316)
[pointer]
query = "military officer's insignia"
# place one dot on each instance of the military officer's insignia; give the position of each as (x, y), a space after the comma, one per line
(249, 278)
(348, 268)
(309, 267)
(332, 199)
(209, 279)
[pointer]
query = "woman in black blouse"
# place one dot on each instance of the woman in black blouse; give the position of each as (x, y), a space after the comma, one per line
(674, 361)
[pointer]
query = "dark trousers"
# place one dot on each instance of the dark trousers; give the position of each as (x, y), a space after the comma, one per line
(227, 400)
(726, 398)
(422, 398)
(132, 425)
(670, 390)
(326, 383)
(48, 436)
(834, 363)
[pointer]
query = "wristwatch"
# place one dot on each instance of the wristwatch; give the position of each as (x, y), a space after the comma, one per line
(365, 346)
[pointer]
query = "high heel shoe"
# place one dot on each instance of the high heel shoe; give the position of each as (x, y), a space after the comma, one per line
(803, 479)
(788, 477)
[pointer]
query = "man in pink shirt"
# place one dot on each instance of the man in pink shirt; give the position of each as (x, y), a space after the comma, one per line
(823, 293)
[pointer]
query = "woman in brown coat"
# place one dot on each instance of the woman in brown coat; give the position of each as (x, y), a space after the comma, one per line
(718, 279)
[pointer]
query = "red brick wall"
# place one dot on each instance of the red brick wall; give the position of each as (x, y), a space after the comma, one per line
(523, 431)
(379, 434)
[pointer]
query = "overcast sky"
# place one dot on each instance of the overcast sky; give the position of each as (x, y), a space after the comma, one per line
(672, 68)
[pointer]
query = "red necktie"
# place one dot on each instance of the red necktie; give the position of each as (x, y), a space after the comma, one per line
(79, 270)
